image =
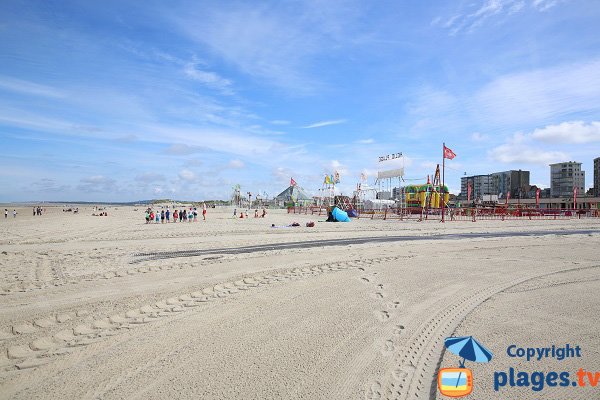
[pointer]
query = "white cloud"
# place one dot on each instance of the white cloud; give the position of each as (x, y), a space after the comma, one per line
(325, 123)
(521, 150)
(577, 132)
(187, 175)
(236, 164)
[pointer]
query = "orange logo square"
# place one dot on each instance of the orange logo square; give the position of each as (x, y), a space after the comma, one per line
(455, 382)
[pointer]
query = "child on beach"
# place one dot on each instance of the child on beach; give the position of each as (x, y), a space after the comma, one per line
(6, 213)
(204, 211)
(175, 216)
(167, 215)
(157, 215)
(147, 217)
(162, 216)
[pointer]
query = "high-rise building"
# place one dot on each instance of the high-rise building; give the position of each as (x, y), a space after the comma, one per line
(564, 176)
(480, 186)
(496, 184)
(517, 182)
(597, 177)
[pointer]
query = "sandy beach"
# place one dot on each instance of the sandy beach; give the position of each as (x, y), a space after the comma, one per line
(113, 308)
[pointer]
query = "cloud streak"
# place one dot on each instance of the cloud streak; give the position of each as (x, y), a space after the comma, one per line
(321, 124)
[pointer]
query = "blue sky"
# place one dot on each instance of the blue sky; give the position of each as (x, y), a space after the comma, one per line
(119, 101)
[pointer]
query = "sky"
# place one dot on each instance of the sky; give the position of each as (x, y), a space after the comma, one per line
(130, 100)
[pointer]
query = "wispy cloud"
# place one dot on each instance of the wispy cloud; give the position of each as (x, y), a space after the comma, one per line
(534, 96)
(479, 137)
(29, 88)
(98, 183)
(180, 149)
(476, 14)
(208, 78)
(280, 122)
(325, 123)
(365, 141)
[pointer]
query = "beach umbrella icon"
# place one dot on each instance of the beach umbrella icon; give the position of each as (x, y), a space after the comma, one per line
(469, 349)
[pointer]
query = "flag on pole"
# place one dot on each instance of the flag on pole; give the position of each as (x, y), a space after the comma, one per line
(469, 189)
(337, 177)
(574, 196)
(327, 180)
(292, 182)
(537, 197)
(449, 154)
(507, 197)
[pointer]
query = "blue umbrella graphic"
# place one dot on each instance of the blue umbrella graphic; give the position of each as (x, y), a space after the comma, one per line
(469, 349)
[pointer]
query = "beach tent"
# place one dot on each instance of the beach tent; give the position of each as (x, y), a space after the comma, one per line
(294, 194)
(339, 215)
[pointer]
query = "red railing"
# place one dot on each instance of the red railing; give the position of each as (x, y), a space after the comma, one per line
(460, 214)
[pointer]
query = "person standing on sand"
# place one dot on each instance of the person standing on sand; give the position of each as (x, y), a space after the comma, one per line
(34, 211)
(14, 213)
(235, 212)
(162, 216)
(6, 213)
(167, 215)
(157, 216)
(204, 211)
(175, 216)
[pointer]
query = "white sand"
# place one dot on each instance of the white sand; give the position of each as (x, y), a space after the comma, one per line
(82, 317)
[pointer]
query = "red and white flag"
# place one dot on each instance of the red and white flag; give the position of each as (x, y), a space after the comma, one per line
(449, 154)
(574, 196)
(507, 197)
(292, 182)
(537, 197)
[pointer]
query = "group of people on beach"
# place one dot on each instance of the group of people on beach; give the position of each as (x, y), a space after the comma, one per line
(247, 213)
(6, 213)
(182, 215)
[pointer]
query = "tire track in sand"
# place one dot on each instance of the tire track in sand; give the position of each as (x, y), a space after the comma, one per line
(412, 375)
(45, 343)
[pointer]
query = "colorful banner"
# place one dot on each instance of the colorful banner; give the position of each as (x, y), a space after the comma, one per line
(469, 189)
(292, 182)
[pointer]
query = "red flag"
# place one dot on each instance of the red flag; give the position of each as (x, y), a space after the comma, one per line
(449, 154)
(574, 196)
(537, 197)
(507, 197)
(469, 191)
(292, 182)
